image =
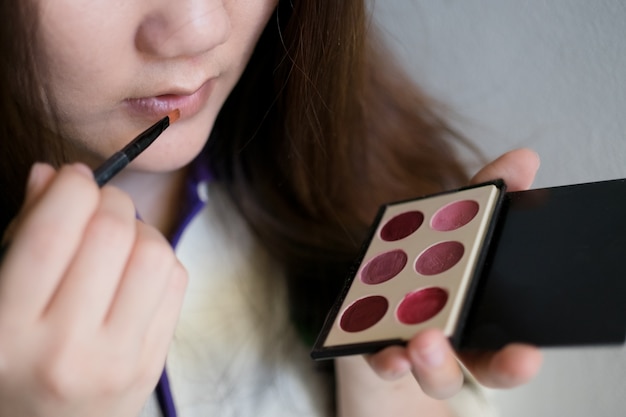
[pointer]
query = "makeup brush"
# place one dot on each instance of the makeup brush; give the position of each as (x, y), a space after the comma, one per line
(119, 160)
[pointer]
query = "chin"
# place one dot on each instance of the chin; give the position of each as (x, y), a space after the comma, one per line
(174, 149)
(170, 160)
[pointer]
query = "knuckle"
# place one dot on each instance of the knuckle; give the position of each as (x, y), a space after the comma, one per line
(88, 188)
(59, 378)
(110, 227)
(120, 199)
(180, 277)
(152, 249)
(68, 374)
(115, 380)
(148, 376)
(126, 370)
(43, 222)
(44, 237)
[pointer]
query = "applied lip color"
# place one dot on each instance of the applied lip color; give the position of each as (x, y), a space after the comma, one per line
(159, 106)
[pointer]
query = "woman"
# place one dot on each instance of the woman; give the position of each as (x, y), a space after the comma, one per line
(306, 143)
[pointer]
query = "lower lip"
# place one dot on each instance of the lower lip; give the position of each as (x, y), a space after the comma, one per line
(159, 106)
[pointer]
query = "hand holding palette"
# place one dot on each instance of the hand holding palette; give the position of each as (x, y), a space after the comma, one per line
(488, 267)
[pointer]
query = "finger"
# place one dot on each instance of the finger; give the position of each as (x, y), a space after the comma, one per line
(434, 364)
(161, 329)
(514, 365)
(143, 286)
(38, 180)
(92, 278)
(390, 363)
(45, 241)
(517, 168)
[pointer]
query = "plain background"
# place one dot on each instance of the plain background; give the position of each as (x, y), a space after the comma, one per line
(550, 75)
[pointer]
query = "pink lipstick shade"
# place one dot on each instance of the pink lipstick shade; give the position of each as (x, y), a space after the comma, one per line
(488, 267)
(189, 104)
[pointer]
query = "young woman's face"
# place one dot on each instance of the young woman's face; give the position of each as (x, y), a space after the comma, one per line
(116, 67)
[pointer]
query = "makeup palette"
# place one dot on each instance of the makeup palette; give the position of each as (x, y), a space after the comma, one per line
(488, 267)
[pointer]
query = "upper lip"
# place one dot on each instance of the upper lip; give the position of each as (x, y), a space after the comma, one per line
(174, 91)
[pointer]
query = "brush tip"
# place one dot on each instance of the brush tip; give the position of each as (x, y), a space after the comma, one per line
(174, 115)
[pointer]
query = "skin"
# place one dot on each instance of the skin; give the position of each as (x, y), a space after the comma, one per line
(85, 329)
(101, 55)
(429, 362)
(101, 58)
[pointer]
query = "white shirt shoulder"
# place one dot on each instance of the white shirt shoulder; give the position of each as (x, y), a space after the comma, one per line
(235, 352)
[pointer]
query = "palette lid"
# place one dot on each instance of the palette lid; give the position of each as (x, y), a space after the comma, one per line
(556, 273)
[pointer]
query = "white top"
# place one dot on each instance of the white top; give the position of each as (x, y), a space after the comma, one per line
(235, 352)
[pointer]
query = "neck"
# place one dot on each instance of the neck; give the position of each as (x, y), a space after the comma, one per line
(157, 195)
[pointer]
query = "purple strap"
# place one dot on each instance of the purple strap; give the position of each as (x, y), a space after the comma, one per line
(193, 204)
(164, 396)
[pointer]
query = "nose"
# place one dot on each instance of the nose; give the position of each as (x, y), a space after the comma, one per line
(175, 28)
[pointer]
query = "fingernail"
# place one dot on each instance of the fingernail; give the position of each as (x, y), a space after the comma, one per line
(83, 169)
(33, 176)
(399, 371)
(431, 356)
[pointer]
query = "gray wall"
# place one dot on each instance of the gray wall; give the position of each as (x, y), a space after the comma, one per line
(550, 76)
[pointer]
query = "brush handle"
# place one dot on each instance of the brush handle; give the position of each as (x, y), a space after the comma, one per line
(110, 168)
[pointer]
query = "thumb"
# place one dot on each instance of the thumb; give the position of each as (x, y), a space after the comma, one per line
(517, 168)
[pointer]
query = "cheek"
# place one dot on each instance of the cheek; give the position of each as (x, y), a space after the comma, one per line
(86, 45)
(92, 65)
(87, 63)
(249, 18)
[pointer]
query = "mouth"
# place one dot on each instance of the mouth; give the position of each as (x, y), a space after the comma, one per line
(156, 107)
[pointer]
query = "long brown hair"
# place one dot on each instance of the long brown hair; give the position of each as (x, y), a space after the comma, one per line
(321, 129)
(22, 128)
